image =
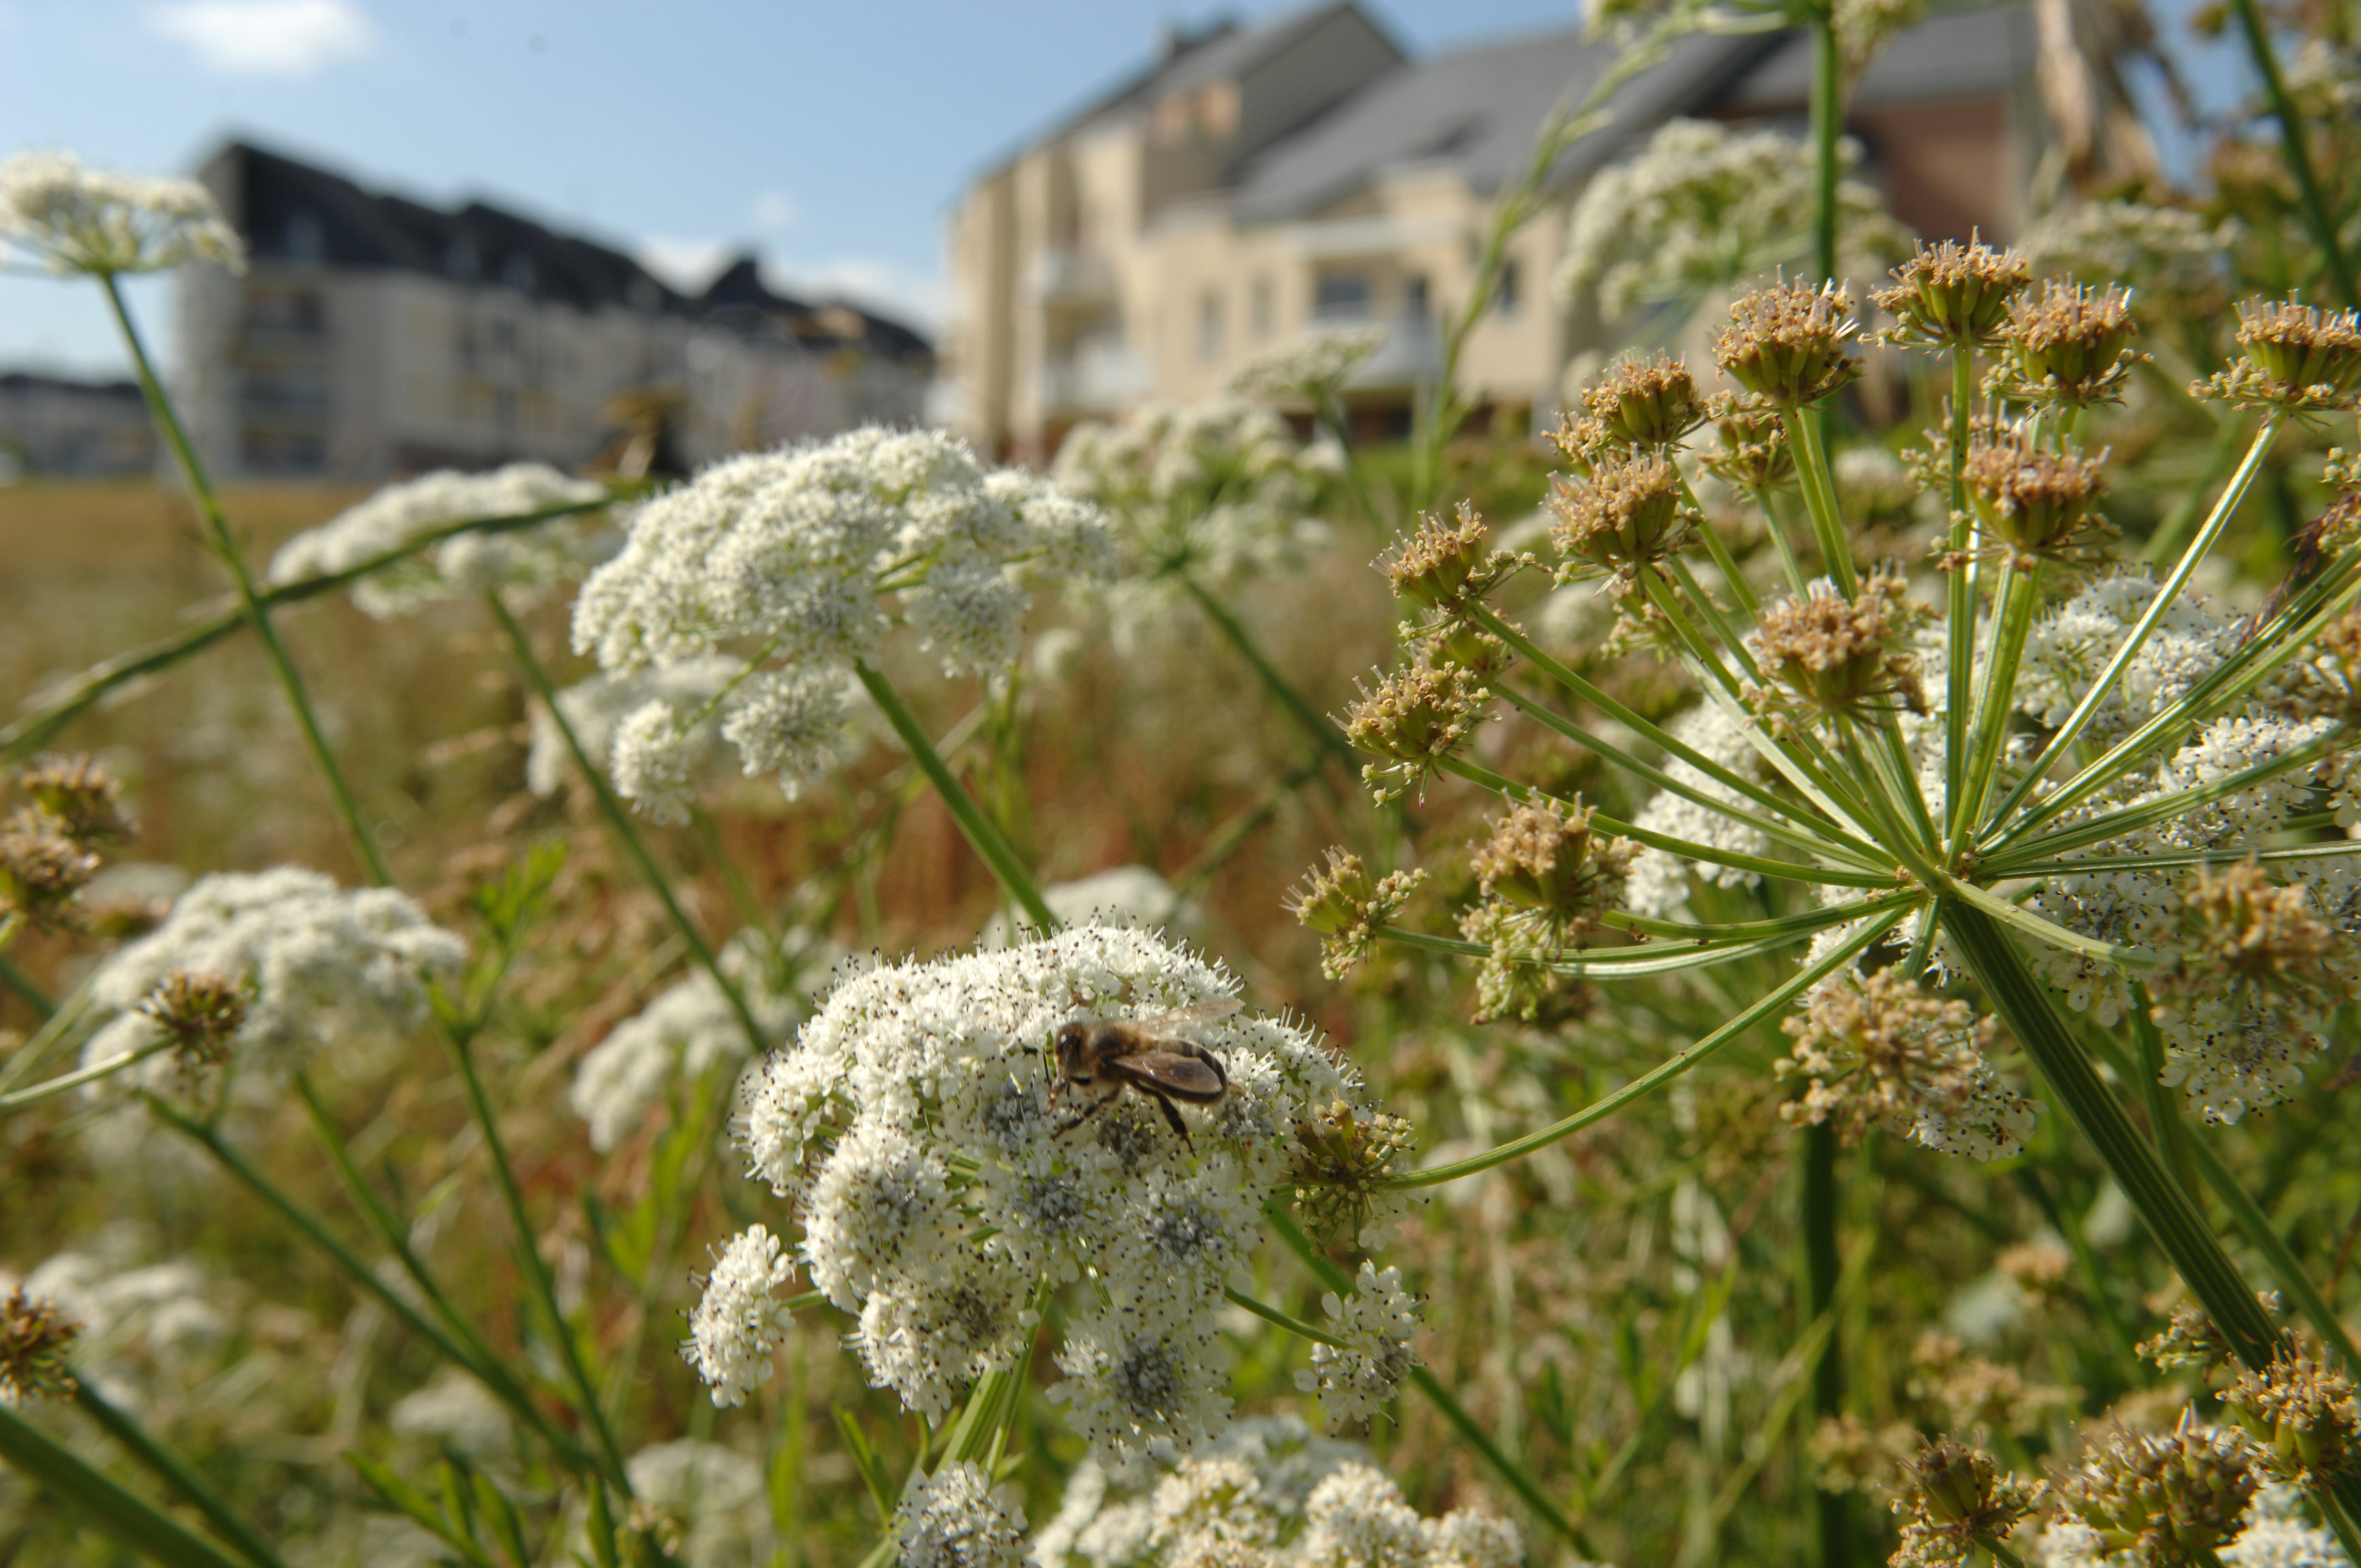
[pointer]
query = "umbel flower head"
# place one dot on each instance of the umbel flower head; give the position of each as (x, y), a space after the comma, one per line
(1377, 1322)
(1416, 717)
(43, 872)
(1787, 343)
(81, 797)
(1443, 563)
(1545, 858)
(316, 964)
(2243, 1002)
(36, 1337)
(2066, 343)
(1346, 908)
(1954, 295)
(1880, 1050)
(1626, 518)
(1651, 402)
(2297, 358)
(1956, 1497)
(2037, 504)
(1840, 658)
(796, 563)
(1307, 369)
(2174, 1498)
(401, 515)
(79, 219)
(957, 1518)
(2304, 1418)
(940, 1192)
(1750, 449)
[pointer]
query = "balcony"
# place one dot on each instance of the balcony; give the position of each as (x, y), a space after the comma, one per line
(1098, 378)
(1410, 356)
(1071, 280)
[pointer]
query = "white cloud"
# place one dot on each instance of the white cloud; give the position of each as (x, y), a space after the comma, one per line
(266, 38)
(775, 210)
(688, 264)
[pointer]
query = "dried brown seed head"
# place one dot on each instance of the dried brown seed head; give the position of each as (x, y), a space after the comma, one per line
(1837, 657)
(42, 871)
(1544, 857)
(201, 1013)
(1651, 403)
(2298, 359)
(2304, 1418)
(1787, 343)
(2039, 505)
(2067, 345)
(1750, 450)
(37, 1337)
(1444, 562)
(1953, 296)
(1416, 717)
(2175, 1499)
(84, 798)
(1626, 519)
(1345, 907)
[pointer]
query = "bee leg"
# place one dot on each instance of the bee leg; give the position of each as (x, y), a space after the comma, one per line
(1172, 1118)
(1092, 1109)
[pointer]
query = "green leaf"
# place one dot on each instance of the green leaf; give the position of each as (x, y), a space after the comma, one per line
(101, 1502)
(507, 1527)
(864, 1459)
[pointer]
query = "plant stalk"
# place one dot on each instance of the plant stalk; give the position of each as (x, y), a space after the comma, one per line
(2293, 150)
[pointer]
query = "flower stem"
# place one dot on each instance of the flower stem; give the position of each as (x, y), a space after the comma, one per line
(1271, 1314)
(1310, 721)
(1960, 621)
(1661, 1074)
(2293, 148)
(2020, 596)
(1820, 498)
(619, 819)
(990, 847)
(100, 1501)
(1817, 1271)
(2286, 1270)
(224, 546)
(51, 1088)
(168, 1467)
(2171, 1134)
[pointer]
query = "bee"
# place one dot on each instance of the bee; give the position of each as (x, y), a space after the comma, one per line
(1102, 1056)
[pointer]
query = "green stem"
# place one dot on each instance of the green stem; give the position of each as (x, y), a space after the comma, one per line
(101, 1501)
(2172, 534)
(2286, 1270)
(1314, 724)
(1960, 623)
(1827, 126)
(537, 1272)
(619, 818)
(51, 1088)
(1820, 498)
(1819, 1267)
(2020, 596)
(2293, 148)
(493, 1375)
(224, 546)
(175, 1475)
(1662, 1073)
(31, 995)
(1271, 1314)
(982, 835)
(2024, 1005)
(2167, 594)
(2164, 1125)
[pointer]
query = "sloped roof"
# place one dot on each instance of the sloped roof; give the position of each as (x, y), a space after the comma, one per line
(1960, 54)
(738, 300)
(1480, 109)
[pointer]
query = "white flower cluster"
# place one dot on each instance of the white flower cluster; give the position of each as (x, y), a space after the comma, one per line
(940, 1190)
(1377, 1322)
(2232, 1053)
(1310, 368)
(2181, 261)
(1219, 490)
(957, 1518)
(806, 556)
(595, 710)
(145, 1325)
(686, 1032)
(93, 220)
(737, 1319)
(1268, 1496)
(455, 1409)
(1658, 883)
(1702, 207)
(322, 964)
(400, 515)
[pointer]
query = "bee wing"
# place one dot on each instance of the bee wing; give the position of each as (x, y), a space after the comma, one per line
(1181, 1018)
(1184, 1077)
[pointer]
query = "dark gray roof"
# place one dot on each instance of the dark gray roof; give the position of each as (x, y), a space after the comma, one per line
(1480, 109)
(1960, 54)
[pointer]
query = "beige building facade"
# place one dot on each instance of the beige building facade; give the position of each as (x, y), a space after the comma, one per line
(1256, 184)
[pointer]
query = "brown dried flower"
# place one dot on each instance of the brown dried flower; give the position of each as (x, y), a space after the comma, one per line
(36, 1336)
(41, 872)
(1445, 563)
(1625, 519)
(1346, 908)
(1583, 442)
(1953, 296)
(1834, 657)
(1975, 1392)
(1416, 717)
(1751, 447)
(1881, 1050)
(81, 796)
(2037, 1268)
(2303, 1415)
(201, 1013)
(1544, 858)
(2298, 357)
(2038, 505)
(1787, 343)
(1957, 1499)
(2070, 345)
(1848, 1457)
(1646, 403)
(1344, 1157)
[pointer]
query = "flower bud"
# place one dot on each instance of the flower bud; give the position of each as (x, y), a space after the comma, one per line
(2069, 346)
(1443, 563)
(2298, 357)
(2175, 1499)
(82, 798)
(1541, 857)
(1646, 403)
(1751, 447)
(1626, 518)
(1416, 717)
(2042, 505)
(36, 1335)
(2304, 1417)
(200, 1013)
(41, 870)
(1835, 657)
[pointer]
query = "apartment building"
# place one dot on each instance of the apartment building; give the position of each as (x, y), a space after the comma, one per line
(373, 337)
(58, 427)
(1256, 181)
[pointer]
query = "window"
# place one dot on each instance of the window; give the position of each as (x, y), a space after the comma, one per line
(1505, 294)
(305, 240)
(1263, 310)
(460, 260)
(1341, 295)
(1414, 296)
(1209, 327)
(518, 274)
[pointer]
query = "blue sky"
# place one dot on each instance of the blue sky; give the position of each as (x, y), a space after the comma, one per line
(831, 137)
